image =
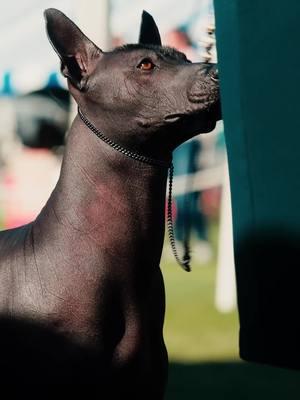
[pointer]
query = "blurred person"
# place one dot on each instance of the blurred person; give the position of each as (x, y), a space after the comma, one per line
(216, 157)
(180, 40)
(28, 180)
(189, 219)
(117, 41)
(32, 168)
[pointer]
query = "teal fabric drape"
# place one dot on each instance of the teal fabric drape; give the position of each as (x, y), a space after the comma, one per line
(259, 62)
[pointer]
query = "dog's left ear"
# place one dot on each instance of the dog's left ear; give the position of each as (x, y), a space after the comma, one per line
(78, 54)
(149, 33)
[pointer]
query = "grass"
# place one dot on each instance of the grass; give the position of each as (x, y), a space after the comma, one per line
(194, 329)
(203, 343)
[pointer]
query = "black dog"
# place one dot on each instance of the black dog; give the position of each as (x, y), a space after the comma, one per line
(82, 295)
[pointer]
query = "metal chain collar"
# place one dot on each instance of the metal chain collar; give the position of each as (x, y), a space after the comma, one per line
(128, 153)
(185, 263)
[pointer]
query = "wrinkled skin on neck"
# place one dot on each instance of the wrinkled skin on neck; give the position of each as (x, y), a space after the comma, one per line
(84, 277)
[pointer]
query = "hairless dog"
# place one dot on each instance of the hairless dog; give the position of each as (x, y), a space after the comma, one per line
(82, 295)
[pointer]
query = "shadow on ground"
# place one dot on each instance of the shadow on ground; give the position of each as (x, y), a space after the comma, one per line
(231, 381)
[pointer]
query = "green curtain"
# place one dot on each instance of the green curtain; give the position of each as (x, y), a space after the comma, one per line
(259, 62)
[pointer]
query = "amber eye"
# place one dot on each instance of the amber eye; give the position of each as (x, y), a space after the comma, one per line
(146, 64)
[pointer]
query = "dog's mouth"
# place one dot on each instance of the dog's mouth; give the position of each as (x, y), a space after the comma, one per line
(210, 116)
(174, 117)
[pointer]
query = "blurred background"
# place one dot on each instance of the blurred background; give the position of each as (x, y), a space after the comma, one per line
(201, 328)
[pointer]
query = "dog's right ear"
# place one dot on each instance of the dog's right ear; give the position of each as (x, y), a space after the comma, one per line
(77, 53)
(149, 33)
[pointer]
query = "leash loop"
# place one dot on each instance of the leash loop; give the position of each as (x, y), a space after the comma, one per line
(185, 262)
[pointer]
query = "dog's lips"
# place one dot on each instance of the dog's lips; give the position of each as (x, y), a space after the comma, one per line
(185, 116)
(209, 118)
(174, 117)
(197, 121)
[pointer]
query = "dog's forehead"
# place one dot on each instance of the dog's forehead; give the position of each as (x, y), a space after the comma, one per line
(162, 52)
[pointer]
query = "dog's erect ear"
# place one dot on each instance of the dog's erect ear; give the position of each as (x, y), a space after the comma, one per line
(149, 33)
(78, 54)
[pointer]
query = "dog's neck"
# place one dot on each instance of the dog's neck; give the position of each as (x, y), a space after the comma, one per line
(115, 202)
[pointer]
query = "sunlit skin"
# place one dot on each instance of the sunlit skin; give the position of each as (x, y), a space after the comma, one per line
(87, 269)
